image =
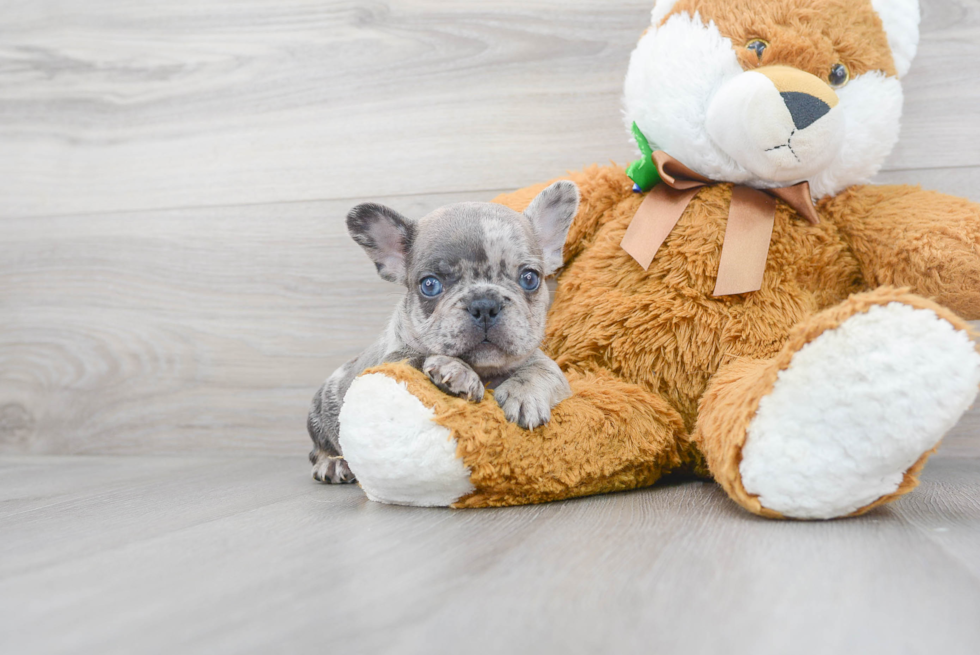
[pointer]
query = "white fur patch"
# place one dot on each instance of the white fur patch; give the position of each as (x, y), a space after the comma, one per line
(855, 409)
(901, 21)
(674, 73)
(678, 68)
(398, 453)
(872, 106)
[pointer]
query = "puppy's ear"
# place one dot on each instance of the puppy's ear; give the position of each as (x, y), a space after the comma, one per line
(551, 214)
(386, 237)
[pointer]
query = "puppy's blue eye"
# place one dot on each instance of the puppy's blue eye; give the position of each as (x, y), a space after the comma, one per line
(430, 287)
(529, 280)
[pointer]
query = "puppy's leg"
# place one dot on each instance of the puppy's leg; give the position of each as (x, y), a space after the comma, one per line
(454, 376)
(324, 427)
(331, 469)
(528, 395)
(323, 422)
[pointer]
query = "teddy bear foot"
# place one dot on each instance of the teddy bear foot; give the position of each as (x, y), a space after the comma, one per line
(857, 409)
(399, 454)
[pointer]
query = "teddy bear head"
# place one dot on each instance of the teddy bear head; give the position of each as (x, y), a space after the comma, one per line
(770, 93)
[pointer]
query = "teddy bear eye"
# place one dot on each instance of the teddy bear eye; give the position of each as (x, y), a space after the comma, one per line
(839, 76)
(758, 46)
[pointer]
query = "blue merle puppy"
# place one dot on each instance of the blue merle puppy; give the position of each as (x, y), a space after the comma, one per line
(473, 315)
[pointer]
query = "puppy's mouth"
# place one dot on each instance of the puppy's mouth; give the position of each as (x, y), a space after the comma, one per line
(486, 344)
(488, 357)
(486, 349)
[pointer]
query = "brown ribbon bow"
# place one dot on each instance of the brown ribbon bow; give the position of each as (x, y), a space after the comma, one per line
(747, 235)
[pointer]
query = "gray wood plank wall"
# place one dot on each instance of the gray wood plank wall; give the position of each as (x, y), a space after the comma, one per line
(174, 272)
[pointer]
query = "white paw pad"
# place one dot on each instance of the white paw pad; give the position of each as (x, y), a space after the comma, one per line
(855, 409)
(398, 453)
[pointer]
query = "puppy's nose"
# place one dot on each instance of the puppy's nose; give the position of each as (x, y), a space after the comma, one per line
(484, 311)
(804, 108)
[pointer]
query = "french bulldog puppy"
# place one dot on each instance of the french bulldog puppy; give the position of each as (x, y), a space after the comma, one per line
(474, 312)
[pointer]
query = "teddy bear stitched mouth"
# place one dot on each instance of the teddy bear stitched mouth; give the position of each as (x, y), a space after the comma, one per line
(751, 111)
(788, 144)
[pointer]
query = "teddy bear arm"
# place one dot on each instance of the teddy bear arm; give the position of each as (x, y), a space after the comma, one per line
(610, 435)
(409, 443)
(601, 189)
(907, 237)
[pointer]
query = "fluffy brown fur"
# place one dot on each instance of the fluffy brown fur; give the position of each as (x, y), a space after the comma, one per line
(633, 437)
(811, 35)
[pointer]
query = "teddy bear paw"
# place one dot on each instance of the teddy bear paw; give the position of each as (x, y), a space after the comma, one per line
(394, 447)
(855, 409)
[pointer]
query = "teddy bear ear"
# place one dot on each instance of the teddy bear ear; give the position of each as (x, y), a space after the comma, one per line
(901, 21)
(661, 9)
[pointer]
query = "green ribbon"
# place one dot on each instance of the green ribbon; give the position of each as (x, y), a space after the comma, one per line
(643, 171)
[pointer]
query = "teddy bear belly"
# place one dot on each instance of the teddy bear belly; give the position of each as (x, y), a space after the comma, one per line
(662, 328)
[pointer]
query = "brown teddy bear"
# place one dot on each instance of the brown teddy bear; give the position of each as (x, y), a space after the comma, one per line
(762, 316)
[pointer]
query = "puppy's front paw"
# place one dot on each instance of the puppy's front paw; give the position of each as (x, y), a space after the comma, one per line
(332, 470)
(453, 376)
(523, 404)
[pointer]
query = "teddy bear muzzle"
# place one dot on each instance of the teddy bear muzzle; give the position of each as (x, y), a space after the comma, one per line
(779, 122)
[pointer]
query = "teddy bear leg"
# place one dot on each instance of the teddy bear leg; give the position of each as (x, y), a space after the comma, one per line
(843, 419)
(410, 444)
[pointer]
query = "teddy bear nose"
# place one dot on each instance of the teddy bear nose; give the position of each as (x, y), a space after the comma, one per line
(804, 108)
(484, 311)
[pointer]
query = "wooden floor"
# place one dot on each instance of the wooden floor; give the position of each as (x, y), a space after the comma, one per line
(204, 555)
(176, 281)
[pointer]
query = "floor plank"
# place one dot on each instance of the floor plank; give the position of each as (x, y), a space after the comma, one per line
(964, 439)
(126, 105)
(963, 182)
(183, 330)
(214, 564)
